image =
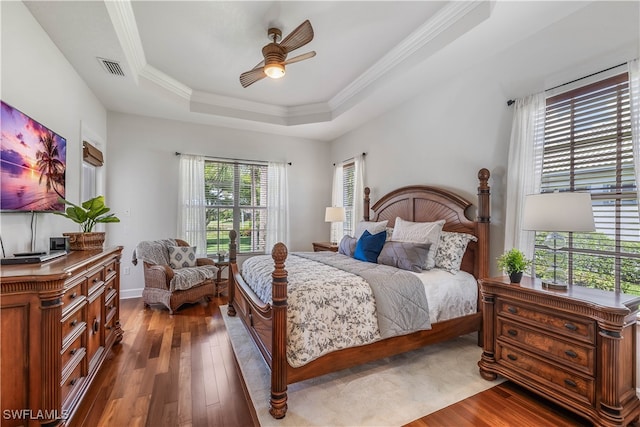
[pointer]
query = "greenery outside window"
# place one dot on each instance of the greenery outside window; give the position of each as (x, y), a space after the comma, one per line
(588, 147)
(236, 198)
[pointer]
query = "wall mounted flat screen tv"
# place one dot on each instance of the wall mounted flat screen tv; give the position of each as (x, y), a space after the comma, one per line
(33, 162)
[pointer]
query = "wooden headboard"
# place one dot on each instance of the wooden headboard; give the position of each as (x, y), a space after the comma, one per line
(421, 203)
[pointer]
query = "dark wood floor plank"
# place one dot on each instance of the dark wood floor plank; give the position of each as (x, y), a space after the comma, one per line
(180, 369)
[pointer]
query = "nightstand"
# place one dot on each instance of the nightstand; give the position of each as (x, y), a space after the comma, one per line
(325, 246)
(221, 284)
(576, 347)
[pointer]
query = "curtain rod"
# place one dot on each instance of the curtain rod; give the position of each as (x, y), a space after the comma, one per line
(350, 158)
(227, 158)
(512, 101)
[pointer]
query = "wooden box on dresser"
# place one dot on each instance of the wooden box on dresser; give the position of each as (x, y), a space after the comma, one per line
(59, 320)
(576, 347)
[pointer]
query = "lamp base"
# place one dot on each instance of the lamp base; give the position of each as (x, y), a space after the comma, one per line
(555, 286)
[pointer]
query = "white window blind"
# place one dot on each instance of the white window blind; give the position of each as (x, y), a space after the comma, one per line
(348, 186)
(588, 148)
(236, 197)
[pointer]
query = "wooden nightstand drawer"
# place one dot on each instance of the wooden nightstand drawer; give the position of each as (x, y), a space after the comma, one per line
(578, 387)
(568, 326)
(575, 356)
(575, 346)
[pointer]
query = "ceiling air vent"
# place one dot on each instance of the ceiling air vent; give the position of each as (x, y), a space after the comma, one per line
(112, 67)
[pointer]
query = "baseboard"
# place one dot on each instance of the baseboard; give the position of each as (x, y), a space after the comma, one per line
(130, 293)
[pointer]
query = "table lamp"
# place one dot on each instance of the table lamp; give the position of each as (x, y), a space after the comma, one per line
(555, 213)
(334, 214)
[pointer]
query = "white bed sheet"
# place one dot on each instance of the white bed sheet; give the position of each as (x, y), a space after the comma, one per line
(449, 295)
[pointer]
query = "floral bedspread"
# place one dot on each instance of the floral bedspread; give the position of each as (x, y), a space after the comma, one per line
(328, 309)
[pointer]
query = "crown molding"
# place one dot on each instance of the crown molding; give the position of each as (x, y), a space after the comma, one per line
(451, 13)
(125, 26)
(169, 83)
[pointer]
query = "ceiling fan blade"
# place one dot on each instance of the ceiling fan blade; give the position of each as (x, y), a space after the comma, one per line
(300, 57)
(249, 77)
(302, 35)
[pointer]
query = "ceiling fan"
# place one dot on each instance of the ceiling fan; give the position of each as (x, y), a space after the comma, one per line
(275, 54)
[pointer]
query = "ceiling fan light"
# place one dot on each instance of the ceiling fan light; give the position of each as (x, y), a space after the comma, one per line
(275, 71)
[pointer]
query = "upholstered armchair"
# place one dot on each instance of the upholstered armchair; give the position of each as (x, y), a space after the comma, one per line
(172, 274)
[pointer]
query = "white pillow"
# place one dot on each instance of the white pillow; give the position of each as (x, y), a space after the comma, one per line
(419, 232)
(182, 256)
(371, 226)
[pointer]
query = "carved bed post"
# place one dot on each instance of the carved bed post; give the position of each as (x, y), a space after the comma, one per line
(278, 401)
(367, 202)
(483, 220)
(231, 311)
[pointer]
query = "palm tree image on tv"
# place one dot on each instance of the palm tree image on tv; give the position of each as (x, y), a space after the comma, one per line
(49, 165)
(32, 164)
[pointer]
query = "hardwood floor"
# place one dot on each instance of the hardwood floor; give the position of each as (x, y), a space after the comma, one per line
(180, 371)
(168, 371)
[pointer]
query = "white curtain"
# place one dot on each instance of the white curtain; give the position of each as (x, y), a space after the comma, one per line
(337, 228)
(634, 98)
(277, 206)
(192, 225)
(524, 169)
(358, 191)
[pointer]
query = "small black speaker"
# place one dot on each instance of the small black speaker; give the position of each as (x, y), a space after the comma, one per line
(59, 244)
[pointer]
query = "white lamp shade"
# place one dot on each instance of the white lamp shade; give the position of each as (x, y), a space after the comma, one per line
(569, 211)
(334, 214)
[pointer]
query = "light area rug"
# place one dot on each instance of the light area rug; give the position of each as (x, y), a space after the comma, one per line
(390, 392)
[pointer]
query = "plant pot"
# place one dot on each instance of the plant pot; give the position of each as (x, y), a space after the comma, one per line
(85, 241)
(515, 277)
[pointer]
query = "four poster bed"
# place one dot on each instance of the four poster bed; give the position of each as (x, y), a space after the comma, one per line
(267, 321)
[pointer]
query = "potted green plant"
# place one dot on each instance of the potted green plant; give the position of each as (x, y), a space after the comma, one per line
(90, 213)
(514, 263)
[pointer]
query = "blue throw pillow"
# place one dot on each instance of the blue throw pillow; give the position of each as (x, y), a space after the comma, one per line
(369, 246)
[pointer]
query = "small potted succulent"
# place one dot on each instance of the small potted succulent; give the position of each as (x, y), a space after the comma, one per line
(514, 263)
(91, 212)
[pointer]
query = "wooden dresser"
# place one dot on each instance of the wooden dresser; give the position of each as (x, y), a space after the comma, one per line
(575, 347)
(59, 320)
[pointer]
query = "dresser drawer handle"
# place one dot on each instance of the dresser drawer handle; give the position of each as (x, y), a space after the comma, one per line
(73, 295)
(512, 310)
(571, 353)
(512, 332)
(570, 382)
(74, 322)
(571, 326)
(96, 326)
(73, 382)
(73, 351)
(512, 357)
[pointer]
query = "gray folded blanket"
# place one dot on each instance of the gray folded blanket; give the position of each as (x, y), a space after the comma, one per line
(156, 252)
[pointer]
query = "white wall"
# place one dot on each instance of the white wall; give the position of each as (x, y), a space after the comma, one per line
(460, 122)
(143, 170)
(38, 80)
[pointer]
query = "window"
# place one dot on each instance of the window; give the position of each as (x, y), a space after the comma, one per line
(236, 198)
(588, 147)
(92, 159)
(348, 186)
